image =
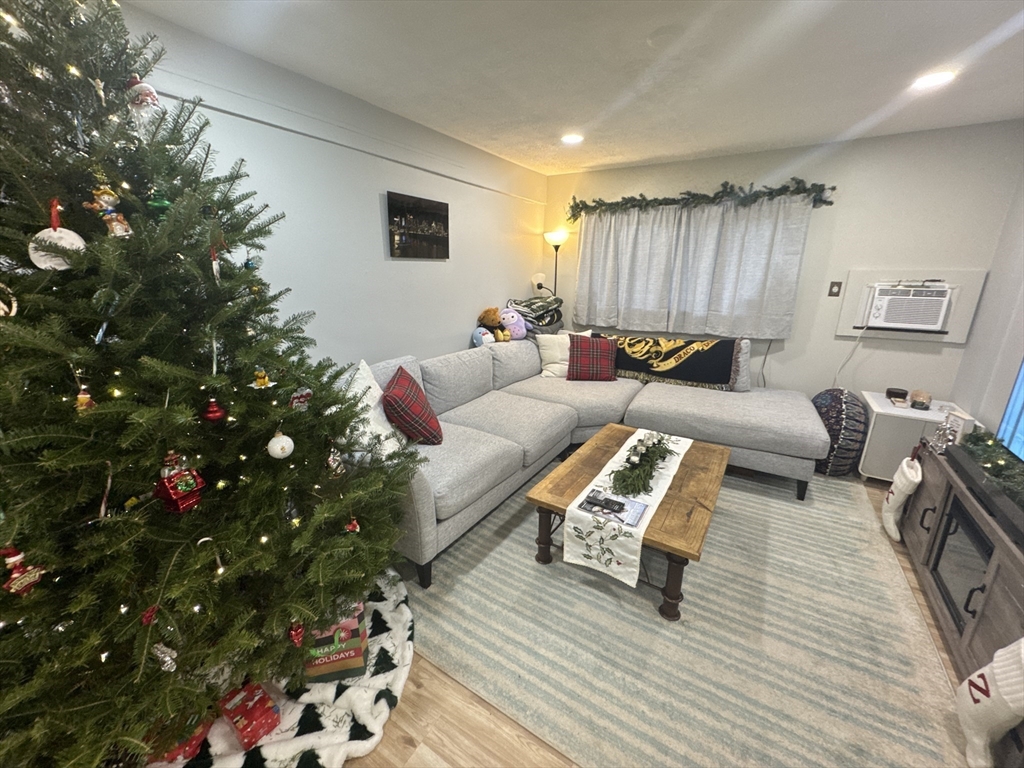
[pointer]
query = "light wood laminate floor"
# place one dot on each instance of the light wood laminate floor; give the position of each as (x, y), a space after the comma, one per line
(439, 723)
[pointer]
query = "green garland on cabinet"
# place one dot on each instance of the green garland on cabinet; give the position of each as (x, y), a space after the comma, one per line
(729, 193)
(996, 460)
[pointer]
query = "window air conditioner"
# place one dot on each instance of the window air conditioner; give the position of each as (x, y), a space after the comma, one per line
(905, 307)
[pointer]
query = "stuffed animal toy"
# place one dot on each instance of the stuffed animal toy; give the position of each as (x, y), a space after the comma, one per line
(514, 323)
(490, 319)
(500, 334)
(482, 336)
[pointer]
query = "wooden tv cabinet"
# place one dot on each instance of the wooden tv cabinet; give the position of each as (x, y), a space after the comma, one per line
(971, 573)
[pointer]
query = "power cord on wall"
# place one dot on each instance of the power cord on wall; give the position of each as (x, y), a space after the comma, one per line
(764, 381)
(843, 364)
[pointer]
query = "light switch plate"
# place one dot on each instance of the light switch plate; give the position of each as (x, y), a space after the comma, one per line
(835, 288)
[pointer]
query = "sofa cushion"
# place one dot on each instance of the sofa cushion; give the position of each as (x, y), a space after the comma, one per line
(465, 466)
(596, 402)
(453, 379)
(554, 353)
(770, 420)
(513, 361)
(385, 370)
(534, 424)
(407, 408)
(361, 383)
(591, 358)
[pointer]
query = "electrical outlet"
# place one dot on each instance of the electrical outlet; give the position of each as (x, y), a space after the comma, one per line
(835, 288)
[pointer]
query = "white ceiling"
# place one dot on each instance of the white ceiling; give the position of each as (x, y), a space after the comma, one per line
(643, 81)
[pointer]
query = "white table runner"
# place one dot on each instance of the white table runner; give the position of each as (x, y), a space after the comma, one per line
(609, 543)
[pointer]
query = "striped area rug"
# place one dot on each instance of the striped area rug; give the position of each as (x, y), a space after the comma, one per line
(800, 642)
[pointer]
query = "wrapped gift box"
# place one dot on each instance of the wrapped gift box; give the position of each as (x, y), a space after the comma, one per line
(187, 748)
(252, 712)
(340, 651)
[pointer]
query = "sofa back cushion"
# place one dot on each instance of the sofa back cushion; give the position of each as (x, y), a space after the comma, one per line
(384, 370)
(513, 361)
(454, 379)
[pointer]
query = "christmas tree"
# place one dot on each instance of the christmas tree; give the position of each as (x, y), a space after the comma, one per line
(143, 369)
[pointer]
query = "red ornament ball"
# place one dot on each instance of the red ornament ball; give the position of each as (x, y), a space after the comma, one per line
(214, 411)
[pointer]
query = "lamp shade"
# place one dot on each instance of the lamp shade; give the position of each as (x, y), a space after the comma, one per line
(557, 237)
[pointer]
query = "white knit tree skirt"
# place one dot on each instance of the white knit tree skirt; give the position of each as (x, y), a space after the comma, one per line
(330, 722)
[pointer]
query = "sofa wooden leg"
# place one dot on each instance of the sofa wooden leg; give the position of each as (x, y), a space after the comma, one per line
(801, 489)
(423, 573)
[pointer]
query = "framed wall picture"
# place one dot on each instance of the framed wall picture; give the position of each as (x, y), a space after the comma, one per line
(417, 228)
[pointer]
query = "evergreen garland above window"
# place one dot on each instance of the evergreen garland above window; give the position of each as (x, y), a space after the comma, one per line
(743, 197)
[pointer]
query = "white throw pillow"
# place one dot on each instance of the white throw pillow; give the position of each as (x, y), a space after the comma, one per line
(554, 353)
(376, 422)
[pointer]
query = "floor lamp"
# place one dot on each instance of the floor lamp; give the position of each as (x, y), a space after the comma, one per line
(555, 240)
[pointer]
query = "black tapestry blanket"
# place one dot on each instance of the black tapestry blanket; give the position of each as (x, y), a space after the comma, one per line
(711, 364)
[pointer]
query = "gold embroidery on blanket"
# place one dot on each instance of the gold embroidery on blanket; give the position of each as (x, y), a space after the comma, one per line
(656, 350)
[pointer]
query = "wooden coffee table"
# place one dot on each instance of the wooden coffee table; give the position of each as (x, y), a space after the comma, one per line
(680, 522)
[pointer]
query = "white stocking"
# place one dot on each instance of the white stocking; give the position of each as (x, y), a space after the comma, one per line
(990, 702)
(904, 483)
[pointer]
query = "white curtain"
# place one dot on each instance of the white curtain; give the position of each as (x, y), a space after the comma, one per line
(718, 270)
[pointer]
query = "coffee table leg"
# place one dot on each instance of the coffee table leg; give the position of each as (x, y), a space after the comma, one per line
(543, 535)
(673, 590)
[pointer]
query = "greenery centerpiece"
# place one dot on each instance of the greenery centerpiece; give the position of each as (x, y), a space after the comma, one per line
(989, 453)
(633, 478)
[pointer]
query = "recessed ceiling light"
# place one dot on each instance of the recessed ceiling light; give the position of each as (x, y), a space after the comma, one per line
(934, 80)
(572, 138)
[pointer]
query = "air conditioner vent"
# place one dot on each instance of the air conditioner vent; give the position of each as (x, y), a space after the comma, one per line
(914, 311)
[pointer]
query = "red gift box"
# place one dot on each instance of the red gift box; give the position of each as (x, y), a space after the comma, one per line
(187, 748)
(252, 712)
(339, 652)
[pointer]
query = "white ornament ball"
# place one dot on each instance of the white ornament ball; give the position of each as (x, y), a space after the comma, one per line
(280, 446)
(60, 237)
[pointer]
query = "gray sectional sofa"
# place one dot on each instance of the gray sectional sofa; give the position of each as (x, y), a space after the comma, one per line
(503, 422)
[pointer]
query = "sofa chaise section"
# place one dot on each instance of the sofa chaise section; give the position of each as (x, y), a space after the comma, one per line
(769, 430)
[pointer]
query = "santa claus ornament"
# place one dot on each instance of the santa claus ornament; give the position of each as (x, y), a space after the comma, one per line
(142, 100)
(179, 485)
(23, 577)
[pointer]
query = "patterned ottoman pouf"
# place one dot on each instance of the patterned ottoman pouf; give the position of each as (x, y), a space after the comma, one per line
(847, 424)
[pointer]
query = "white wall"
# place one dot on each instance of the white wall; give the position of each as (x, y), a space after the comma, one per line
(327, 159)
(995, 347)
(932, 199)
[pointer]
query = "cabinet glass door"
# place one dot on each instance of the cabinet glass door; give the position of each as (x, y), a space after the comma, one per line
(960, 563)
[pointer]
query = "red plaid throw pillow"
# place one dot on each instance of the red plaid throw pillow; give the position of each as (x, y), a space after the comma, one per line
(591, 358)
(407, 408)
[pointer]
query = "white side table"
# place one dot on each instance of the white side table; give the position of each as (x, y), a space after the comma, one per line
(893, 432)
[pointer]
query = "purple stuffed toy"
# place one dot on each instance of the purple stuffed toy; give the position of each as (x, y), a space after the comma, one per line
(514, 324)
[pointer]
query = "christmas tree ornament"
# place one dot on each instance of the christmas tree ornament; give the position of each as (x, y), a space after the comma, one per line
(262, 379)
(159, 205)
(299, 400)
(214, 411)
(104, 203)
(8, 302)
(55, 237)
(84, 401)
(179, 486)
(249, 264)
(142, 100)
(335, 463)
(352, 526)
(105, 299)
(149, 614)
(216, 264)
(280, 446)
(98, 85)
(166, 656)
(296, 632)
(23, 577)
